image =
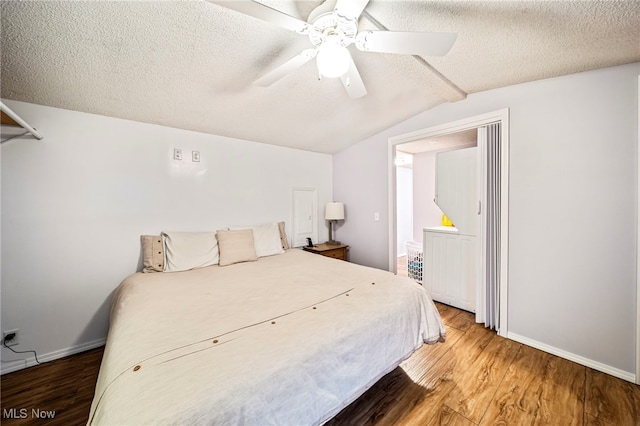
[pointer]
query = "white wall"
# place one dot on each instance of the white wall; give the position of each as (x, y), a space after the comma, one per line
(404, 194)
(360, 181)
(75, 204)
(425, 212)
(572, 244)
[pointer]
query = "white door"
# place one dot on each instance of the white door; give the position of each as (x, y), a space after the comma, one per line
(449, 273)
(305, 216)
(457, 187)
(452, 258)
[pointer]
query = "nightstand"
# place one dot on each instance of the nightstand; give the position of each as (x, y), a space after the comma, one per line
(338, 251)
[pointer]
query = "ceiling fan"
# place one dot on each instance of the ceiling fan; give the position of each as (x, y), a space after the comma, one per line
(331, 28)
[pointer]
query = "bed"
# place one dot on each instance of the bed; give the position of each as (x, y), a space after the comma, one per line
(289, 339)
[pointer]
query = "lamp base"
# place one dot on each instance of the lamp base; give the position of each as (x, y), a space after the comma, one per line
(331, 241)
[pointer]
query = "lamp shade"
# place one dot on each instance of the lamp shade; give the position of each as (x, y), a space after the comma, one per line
(334, 211)
(333, 59)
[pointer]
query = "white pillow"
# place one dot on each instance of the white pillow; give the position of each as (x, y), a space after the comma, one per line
(266, 239)
(189, 250)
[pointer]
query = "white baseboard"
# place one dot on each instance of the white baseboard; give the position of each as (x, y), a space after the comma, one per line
(625, 375)
(30, 361)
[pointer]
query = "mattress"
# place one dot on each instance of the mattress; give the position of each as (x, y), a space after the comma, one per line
(289, 339)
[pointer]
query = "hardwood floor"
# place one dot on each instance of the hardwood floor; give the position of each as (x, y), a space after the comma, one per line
(474, 378)
(479, 378)
(63, 388)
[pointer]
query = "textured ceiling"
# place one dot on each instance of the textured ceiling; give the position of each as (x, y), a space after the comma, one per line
(190, 64)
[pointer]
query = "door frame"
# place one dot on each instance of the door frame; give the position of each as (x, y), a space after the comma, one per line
(637, 372)
(474, 122)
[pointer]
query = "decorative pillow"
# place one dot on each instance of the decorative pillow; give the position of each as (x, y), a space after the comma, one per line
(152, 253)
(189, 250)
(283, 236)
(236, 246)
(266, 239)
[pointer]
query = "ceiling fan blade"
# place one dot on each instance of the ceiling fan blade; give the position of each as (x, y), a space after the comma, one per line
(350, 9)
(264, 13)
(291, 65)
(411, 43)
(353, 82)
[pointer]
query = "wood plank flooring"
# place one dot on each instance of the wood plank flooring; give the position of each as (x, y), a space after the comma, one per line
(474, 378)
(479, 378)
(65, 386)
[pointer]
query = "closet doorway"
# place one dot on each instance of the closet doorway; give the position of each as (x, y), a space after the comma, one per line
(487, 271)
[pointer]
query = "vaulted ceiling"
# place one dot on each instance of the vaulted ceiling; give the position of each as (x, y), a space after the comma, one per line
(191, 64)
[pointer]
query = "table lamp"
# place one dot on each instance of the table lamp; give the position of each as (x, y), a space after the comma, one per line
(333, 212)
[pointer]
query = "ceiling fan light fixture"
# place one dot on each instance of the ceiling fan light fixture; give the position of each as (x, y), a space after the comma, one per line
(333, 59)
(333, 26)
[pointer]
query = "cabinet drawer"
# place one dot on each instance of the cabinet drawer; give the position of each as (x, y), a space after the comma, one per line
(336, 254)
(333, 251)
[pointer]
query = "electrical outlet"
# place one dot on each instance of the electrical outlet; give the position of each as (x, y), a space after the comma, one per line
(13, 341)
(195, 156)
(177, 154)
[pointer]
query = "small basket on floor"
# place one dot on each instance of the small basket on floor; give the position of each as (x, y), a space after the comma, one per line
(415, 261)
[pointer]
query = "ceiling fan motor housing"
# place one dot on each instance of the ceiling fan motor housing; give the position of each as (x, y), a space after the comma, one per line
(330, 24)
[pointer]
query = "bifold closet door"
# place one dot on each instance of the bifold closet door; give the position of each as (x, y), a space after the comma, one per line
(488, 294)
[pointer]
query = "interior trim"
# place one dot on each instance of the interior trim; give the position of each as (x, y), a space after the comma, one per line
(9, 366)
(616, 372)
(637, 377)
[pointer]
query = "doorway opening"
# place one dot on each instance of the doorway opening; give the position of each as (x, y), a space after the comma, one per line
(404, 210)
(450, 136)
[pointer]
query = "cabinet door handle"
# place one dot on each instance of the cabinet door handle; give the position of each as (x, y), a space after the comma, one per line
(479, 206)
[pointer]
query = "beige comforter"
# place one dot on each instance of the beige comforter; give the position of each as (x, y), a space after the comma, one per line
(289, 339)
